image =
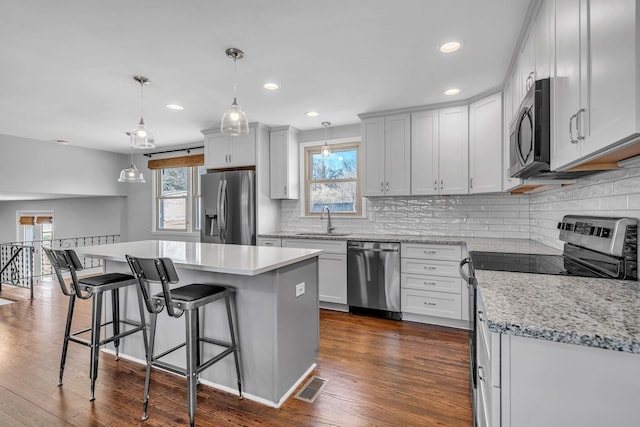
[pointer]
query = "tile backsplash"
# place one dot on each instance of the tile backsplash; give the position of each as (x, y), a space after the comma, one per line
(535, 216)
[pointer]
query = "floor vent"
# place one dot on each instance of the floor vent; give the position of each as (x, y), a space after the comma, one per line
(311, 389)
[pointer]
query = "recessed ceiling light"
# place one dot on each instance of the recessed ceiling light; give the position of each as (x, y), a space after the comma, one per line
(450, 47)
(452, 91)
(312, 114)
(271, 86)
(61, 141)
(175, 107)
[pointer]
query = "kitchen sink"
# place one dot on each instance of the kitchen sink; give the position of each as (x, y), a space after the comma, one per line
(322, 234)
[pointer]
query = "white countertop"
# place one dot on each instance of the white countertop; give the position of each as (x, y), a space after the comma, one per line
(230, 259)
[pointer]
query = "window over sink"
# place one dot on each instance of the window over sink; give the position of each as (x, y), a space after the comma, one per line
(333, 181)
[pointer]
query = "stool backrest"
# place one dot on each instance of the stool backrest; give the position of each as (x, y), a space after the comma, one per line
(155, 270)
(63, 260)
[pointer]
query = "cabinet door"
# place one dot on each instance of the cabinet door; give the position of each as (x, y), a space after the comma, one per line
(567, 82)
(454, 150)
(485, 145)
(424, 153)
(332, 274)
(278, 161)
(542, 32)
(397, 155)
(508, 183)
(216, 152)
(242, 149)
(526, 64)
(373, 155)
(613, 81)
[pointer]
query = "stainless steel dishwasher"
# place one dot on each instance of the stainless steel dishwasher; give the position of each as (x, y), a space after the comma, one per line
(373, 278)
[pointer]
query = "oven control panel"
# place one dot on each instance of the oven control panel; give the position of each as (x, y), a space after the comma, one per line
(613, 236)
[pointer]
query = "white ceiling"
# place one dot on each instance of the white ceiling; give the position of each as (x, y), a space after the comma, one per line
(67, 65)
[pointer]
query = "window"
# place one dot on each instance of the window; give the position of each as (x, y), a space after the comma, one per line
(333, 181)
(177, 196)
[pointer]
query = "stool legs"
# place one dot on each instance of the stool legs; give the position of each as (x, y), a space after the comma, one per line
(67, 333)
(147, 378)
(115, 316)
(233, 341)
(95, 340)
(191, 326)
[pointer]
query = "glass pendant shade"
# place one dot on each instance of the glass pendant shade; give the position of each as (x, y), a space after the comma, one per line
(131, 175)
(142, 137)
(234, 121)
(325, 151)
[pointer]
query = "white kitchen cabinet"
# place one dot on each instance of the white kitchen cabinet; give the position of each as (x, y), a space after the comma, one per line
(431, 288)
(596, 90)
(223, 151)
(274, 242)
(485, 145)
(488, 371)
(526, 65)
(542, 37)
(508, 183)
(284, 163)
(453, 170)
(332, 270)
(387, 155)
(440, 151)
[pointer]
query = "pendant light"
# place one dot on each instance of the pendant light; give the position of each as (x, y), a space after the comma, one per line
(131, 174)
(141, 137)
(234, 120)
(326, 150)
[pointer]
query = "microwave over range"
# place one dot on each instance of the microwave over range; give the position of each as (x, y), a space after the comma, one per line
(530, 136)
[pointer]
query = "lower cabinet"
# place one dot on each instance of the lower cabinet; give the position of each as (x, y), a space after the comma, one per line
(528, 382)
(431, 288)
(269, 241)
(332, 270)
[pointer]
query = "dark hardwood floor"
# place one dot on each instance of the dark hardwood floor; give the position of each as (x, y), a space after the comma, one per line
(380, 372)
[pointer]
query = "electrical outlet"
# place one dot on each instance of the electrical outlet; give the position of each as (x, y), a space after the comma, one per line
(299, 289)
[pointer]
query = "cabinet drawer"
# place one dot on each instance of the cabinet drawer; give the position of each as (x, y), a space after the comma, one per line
(431, 283)
(440, 304)
(431, 267)
(268, 241)
(438, 252)
(333, 246)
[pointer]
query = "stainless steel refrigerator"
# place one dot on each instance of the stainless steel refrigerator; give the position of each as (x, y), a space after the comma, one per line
(228, 207)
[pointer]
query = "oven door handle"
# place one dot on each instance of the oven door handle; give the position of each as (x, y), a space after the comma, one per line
(471, 278)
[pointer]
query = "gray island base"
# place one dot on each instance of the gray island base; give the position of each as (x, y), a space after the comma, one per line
(278, 331)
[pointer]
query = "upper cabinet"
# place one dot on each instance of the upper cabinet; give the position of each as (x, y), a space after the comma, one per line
(223, 151)
(597, 90)
(485, 145)
(284, 163)
(386, 153)
(440, 151)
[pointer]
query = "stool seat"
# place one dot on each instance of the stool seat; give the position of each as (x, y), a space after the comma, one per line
(193, 292)
(93, 287)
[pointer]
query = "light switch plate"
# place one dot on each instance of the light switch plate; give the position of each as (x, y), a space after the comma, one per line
(299, 289)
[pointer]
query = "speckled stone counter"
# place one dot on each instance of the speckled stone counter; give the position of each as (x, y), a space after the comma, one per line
(473, 243)
(598, 313)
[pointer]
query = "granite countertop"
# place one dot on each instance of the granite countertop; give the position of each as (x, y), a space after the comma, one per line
(229, 259)
(600, 313)
(486, 244)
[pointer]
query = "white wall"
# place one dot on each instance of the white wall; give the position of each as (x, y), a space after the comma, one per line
(77, 217)
(29, 166)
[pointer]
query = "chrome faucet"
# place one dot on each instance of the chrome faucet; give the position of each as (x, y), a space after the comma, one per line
(329, 227)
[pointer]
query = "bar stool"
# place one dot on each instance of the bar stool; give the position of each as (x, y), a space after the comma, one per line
(178, 301)
(66, 260)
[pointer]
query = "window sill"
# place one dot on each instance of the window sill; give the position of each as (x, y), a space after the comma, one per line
(333, 217)
(176, 233)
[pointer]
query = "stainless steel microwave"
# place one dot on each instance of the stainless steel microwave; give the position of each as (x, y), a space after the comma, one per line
(530, 134)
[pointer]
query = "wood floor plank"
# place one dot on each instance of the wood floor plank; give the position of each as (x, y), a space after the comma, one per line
(380, 372)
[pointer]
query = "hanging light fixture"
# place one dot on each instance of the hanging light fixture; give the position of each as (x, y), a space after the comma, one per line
(141, 137)
(234, 120)
(326, 150)
(131, 174)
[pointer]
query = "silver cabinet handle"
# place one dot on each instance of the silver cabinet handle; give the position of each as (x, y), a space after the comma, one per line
(481, 316)
(268, 243)
(430, 252)
(573, 141)
(387, 185)
(579, 123)
(435, 184)
(442, 184)
(285, 190)
(382, 186)
(471, 182)
(430, 283)
(481, 376)
(229, 158)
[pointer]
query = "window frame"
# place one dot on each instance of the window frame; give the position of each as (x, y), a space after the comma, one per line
(191, 200)
(347, 144)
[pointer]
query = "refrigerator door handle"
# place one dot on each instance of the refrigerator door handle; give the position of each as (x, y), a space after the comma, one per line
(224, 232)
(219, 209)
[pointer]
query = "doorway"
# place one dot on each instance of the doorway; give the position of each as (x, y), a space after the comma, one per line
(35, 228)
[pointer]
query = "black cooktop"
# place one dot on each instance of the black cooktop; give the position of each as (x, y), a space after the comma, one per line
(530, 263)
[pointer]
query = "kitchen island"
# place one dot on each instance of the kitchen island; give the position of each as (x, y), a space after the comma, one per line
(277, 327)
